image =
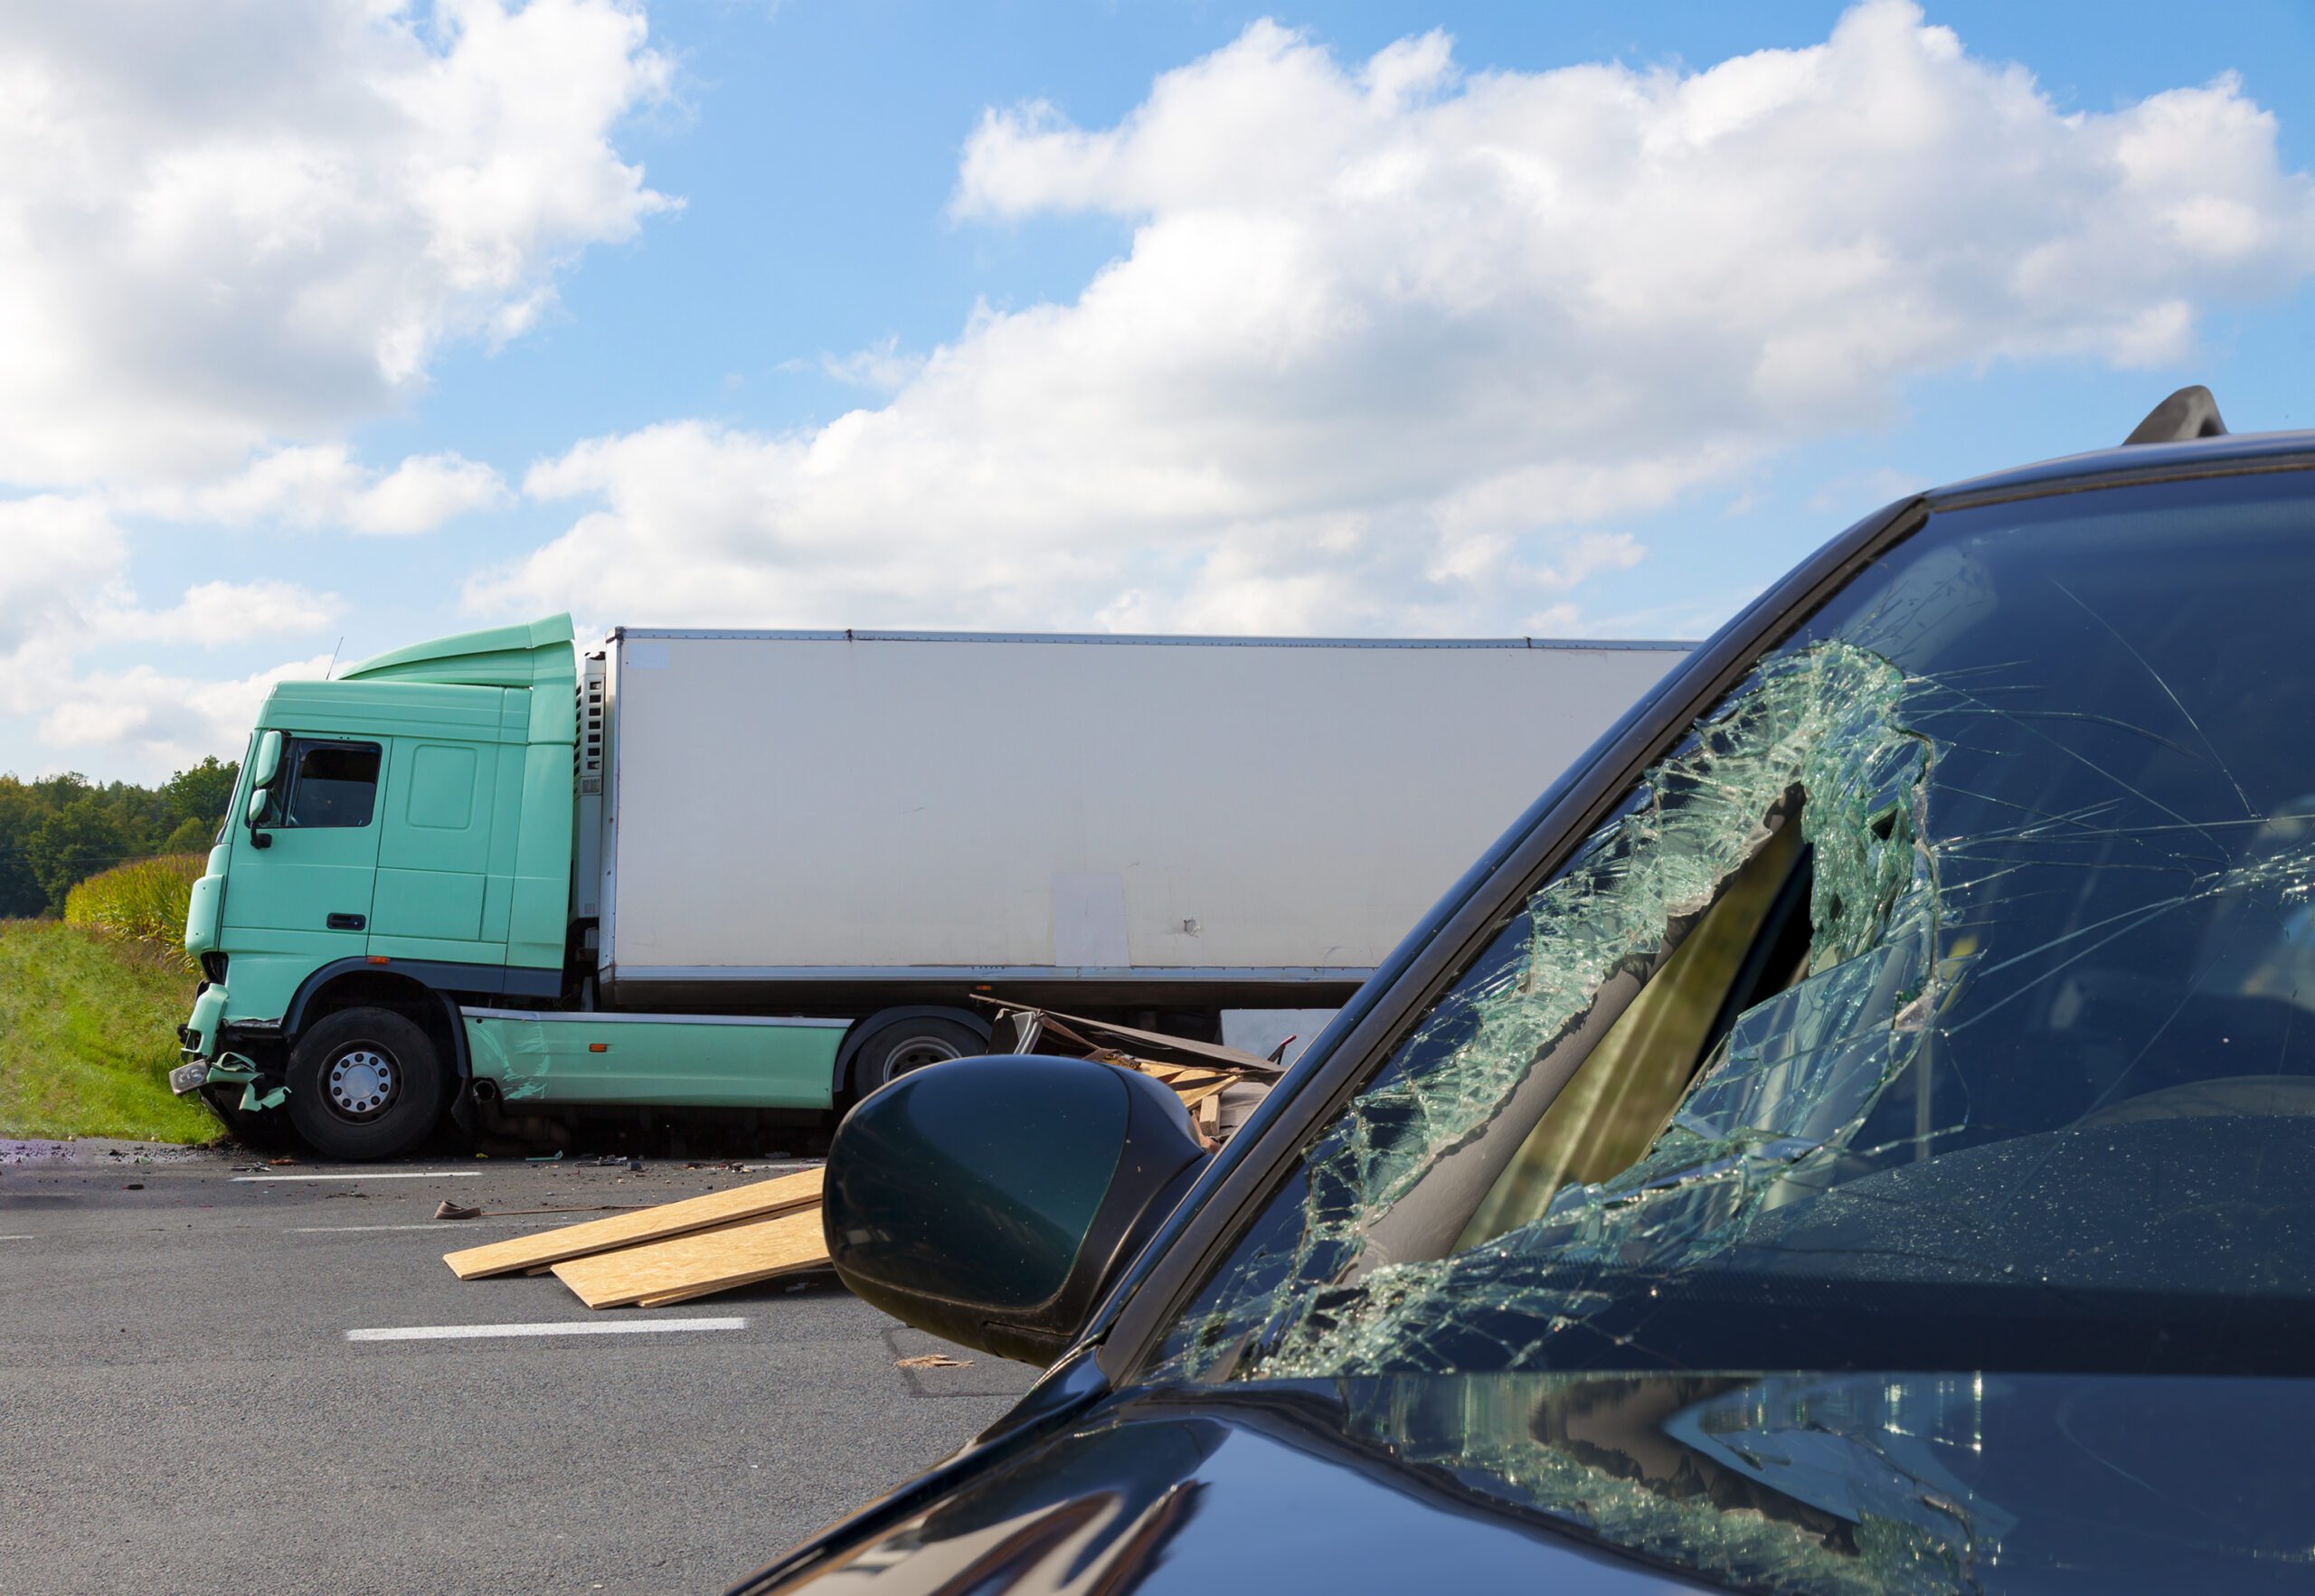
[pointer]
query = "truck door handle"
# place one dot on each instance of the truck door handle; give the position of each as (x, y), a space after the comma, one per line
(348, 923)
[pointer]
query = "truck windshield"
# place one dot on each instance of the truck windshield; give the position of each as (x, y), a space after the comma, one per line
(1945, 999)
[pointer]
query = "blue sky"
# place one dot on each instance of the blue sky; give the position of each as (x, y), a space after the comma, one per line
(1398, 434)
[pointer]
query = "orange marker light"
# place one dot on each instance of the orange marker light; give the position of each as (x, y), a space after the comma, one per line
(379, 959)
(599, 1047)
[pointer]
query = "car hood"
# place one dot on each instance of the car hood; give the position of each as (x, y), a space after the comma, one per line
(1783, 1482)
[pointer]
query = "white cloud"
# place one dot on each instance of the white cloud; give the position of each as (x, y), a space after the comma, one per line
(1398, 348)
(155, 723)
(64, 595)
(322, 484)
(222, 226)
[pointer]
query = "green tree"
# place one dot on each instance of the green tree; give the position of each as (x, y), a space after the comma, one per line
(201, 792)
(20, 892)
(192, 836)
(75, 840)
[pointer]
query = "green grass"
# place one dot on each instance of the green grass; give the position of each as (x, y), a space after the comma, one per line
(88, 1037)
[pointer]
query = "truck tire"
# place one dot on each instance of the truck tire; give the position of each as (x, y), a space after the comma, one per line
(364, 1083)
(912, 1045)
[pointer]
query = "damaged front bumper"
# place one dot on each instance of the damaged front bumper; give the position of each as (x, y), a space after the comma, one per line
(207, 1065)
(228, 1070)
(197, 1038)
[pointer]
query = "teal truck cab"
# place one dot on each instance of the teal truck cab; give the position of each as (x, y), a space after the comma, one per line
(384, 929)
(505, 880)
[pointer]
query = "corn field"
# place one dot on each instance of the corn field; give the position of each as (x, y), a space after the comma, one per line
(143, 900)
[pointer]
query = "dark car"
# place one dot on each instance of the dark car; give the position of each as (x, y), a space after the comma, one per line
(1856, 1132)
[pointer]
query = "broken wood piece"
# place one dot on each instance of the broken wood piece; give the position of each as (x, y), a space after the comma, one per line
(932, 1360)
(1191, 1096)
(698, 1265)
(759, 1199)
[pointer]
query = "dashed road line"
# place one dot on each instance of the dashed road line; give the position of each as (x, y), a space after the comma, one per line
(19, 1237)
(385, 1174)
(444, 1228)
(550, 1328)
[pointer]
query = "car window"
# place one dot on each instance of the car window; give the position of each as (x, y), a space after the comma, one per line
(332, 784)
(2026, 1081)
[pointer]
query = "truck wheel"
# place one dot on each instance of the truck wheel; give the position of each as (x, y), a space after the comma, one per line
(364, 1083)
(911, 1045)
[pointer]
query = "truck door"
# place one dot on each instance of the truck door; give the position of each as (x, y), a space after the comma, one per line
(309, 887)
(435, 852)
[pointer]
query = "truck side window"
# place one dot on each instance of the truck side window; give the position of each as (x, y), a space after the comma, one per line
(333, 784)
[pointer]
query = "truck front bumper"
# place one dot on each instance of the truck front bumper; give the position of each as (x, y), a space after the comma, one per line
(197, 1037)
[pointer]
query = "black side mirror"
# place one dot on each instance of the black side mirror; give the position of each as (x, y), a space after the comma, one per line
(992, 1200)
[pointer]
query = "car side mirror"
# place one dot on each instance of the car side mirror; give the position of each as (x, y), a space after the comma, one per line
(992, 1201)
(266, 765)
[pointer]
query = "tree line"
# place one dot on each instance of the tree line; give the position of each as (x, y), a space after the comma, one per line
(61, 829)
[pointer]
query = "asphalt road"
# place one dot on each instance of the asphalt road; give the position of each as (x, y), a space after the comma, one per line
(181, 1408)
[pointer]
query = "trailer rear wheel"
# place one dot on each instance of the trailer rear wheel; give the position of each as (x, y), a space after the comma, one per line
(364, 1083)
(912, 1045)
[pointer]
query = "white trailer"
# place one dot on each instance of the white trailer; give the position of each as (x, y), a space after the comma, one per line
(796, 819)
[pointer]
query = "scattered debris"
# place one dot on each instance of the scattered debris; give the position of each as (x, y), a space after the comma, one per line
(634, 1164)
(553, 1157)
(281, 1160)
(134, 1185)
(1199, 1073)
(448, 1210)
(932, 1360)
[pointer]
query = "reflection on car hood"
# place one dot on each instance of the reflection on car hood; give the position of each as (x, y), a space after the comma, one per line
(1594, 1483)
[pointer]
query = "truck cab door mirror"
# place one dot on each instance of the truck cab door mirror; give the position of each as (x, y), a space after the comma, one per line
(992, 1201)
(266, 766)
(261, 804)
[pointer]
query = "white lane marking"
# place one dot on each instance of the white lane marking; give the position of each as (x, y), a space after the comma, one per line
(550, 1328)
(19, 1237)
(388, 1175)
(445, 1227)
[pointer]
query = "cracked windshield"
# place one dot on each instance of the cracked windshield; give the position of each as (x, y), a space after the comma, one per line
(1941, 1001)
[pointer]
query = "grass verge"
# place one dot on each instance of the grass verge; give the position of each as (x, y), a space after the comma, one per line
(88, 1037)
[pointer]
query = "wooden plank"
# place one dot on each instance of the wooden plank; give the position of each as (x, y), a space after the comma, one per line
(1191, 1096)
(667, 1299)
(759, 1199)
(737, 1255)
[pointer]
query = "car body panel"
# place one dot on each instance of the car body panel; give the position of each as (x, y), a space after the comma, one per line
(1789, 1482)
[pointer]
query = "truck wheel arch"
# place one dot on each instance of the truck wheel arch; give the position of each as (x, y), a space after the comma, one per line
(355, 983)
(869, 1027)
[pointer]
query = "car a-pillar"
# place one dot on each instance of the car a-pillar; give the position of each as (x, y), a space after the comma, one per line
(372, 1068)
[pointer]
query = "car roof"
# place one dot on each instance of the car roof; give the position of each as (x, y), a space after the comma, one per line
(2221, 456)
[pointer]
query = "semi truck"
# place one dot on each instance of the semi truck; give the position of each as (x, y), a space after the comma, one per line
(513, 879)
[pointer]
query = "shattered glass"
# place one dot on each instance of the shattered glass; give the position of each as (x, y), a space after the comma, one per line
(2045, 1088)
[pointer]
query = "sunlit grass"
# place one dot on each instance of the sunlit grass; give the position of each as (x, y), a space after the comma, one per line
(88, 1036)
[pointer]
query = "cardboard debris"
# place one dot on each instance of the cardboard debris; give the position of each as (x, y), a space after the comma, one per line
(698, 1265)
(760, 1199)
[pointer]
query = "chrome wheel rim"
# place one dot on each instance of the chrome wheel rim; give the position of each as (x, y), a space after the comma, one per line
(916, 1054)
(362, 1082)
